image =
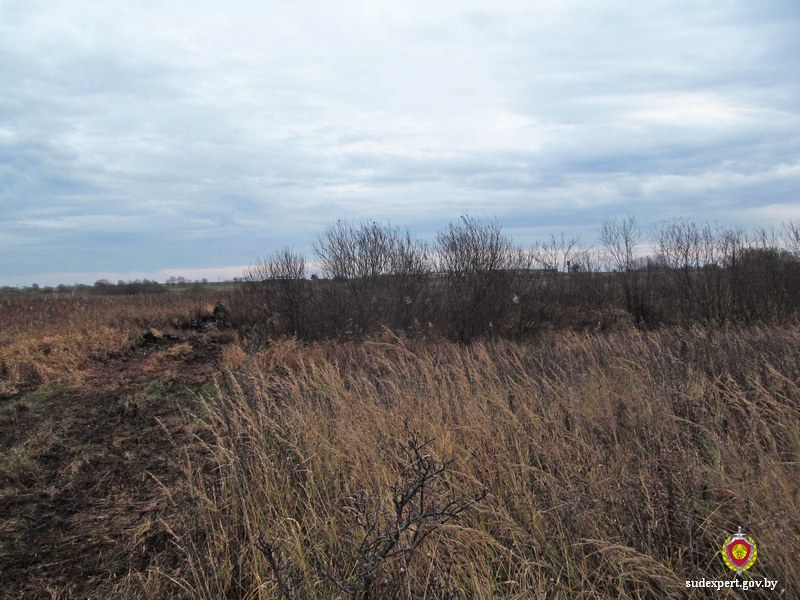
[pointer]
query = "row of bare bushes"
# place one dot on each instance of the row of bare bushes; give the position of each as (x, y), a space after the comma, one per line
(473, 281)
(578, 466)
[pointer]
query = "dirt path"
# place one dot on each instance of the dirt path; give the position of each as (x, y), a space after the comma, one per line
(86, 474)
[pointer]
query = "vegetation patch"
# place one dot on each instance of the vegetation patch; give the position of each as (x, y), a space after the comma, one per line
(484, 429)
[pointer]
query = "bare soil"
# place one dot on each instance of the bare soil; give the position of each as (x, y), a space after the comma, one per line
(85, 474)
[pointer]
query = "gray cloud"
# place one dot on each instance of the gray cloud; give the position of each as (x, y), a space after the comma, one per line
(140, 137)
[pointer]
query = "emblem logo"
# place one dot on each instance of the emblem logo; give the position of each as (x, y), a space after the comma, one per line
(739, 552)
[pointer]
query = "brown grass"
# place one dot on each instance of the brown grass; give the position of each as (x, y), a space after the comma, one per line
(57, 338)
(616, 466)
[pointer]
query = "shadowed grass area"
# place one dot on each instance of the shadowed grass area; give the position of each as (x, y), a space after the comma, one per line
(615, 466)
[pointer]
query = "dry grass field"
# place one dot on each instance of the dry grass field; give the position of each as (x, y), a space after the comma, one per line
(57, 338)
(184, 464)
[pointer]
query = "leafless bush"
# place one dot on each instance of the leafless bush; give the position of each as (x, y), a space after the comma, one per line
(791, 236)
(568, 277)
(377, 276)
(282, 293)
(558, 254)
(378, 273)
(381, 533)
(480, 266)
(620, 239)
(695, 257)
(765, 278)
(719, 274)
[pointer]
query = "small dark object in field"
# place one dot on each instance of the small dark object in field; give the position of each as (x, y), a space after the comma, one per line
(220, 312)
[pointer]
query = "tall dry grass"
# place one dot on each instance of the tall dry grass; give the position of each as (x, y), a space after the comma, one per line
(615, 466)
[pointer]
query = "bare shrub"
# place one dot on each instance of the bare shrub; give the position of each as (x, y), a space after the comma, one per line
(377, 274)
(281, 291)
(695, 258)
(480, 266)
(766, 283)
(394, 531)
(791, 236)
(620, 239)
(567, 278)
(559, 254)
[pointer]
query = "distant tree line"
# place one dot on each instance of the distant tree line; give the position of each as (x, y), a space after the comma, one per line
(35, 288)
(143, 286)
(474, 281)
(104, 286)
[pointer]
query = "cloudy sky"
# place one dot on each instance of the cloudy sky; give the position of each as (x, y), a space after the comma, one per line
(148, 139)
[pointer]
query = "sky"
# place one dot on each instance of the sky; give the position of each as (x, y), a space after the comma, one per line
(192, 138)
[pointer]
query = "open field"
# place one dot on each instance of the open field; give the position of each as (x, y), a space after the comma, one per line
(58, 338)
(188, 464)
